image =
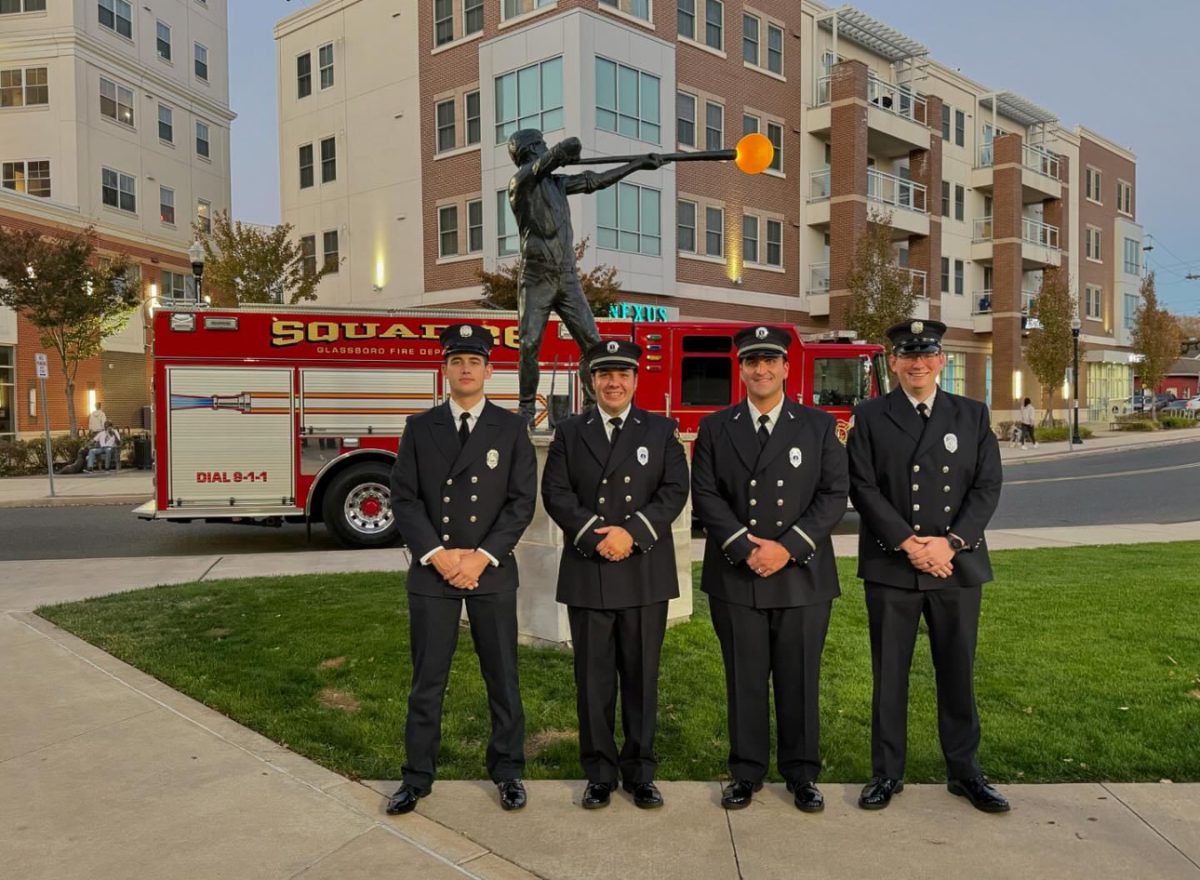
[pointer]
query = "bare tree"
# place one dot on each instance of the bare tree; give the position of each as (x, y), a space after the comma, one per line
(75, 299)
(1049, 348)
(1156, 338)
(600, 285)
(882, 293)
(245, 263)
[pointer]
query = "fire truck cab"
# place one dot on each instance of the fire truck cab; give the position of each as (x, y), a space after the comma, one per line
(275, 414)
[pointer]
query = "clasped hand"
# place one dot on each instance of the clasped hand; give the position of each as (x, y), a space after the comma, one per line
(930, 555)
(460, 568)
(617, 543)
(767, 557)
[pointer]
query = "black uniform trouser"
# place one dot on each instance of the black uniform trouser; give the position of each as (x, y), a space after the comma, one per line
(783, 645)
(542, 291)
(952, 617)
(434, 622)
(624, 644)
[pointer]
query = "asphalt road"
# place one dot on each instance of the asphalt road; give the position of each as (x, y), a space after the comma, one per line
(1158, 484)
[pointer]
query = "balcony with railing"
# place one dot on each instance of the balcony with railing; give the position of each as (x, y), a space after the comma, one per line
(817, 295)
(817, 209)
(896, 116)
(981, 308)
(1039, 172)
(1039, 242)
(905, 199)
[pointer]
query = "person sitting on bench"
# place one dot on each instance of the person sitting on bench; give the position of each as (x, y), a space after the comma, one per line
(107, 445)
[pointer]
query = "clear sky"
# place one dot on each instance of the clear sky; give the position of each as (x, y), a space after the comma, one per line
(1130, 72)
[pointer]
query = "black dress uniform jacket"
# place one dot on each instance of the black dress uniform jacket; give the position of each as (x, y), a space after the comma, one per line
(640, 484)
(481, 495)
(793, 492)
(911, 477)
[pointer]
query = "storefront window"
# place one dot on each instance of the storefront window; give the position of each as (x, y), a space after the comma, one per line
(954, 375)
(1108, 385)
(8, 397)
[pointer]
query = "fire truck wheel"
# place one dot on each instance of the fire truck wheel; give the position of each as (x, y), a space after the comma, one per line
(358, 509)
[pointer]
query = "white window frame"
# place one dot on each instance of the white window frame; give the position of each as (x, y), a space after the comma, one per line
(24, 87)
(114, 9)
(206, 153)
(508, 236)
(779, 29)
(776, 166)
(646, 130)
(720, 47)
(439, 127)
(478, 118)
(543, 118)
(312, 165)
(185, 291)
(511, 9)
(1094, 246)
(683, 93)
(750, 242)
(446, 18)
(719, 232)
(648, 243)
(476, 4)
(330, 265)
(121, 190)
(26, 177)
(25, 7)
(323, 68)
(694, 227)
(169, 123)
(1124, 197)
(1093, 184)
(331, 159)
(303, 80)
(159, 27)
(720, 143)
(631, 8)
(771, 241)
(199, 50)
(166, 199)
(308, 254)
(444, 231)
(475, 206)
(118, 93)
(686, 11)
(756, 42)
(1093, 302)
(204, 215)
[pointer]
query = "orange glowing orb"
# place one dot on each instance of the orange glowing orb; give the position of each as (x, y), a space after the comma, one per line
(754, 153)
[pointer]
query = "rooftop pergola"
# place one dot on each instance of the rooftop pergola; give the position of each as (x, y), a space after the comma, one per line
(854, 25)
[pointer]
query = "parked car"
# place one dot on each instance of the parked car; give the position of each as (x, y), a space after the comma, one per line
(1182, 407)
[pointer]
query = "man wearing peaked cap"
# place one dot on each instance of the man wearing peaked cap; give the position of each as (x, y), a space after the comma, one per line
(925, 478)
(769, 485)
(463, 491)
(616, 478)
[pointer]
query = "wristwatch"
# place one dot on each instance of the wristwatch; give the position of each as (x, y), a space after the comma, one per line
(957, 544)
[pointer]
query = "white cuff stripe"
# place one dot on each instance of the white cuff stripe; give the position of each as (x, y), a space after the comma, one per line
(734, 537)
(653, 533)
(494, 560)
(800, 532)
(586, 525)
(425, 559)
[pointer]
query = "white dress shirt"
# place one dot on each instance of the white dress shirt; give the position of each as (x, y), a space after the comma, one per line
(772, 414)
(623, 416)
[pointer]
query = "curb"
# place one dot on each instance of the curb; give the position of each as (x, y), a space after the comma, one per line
(75, 501)
(1085, 450)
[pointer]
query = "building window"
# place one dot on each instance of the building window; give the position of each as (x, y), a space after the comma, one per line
(685, 227)
(945, 274)
(714, 232)
(1124, 197)
(714, 126)
(960, 128)
(117, 16)
(1133, 257)
(308, 254)
(31, 178)
(162, 40)
(636, 8)
(202, 145)
(330, 240)
(328, 160)
(1131, 307)
(714, 24)
(472, 17)
(473, 125)
(945, 122)
(507, 234)
(1092, 303)
(177, 286)
(775, 136)
(475, 226)
(116, 102)
(23, 88)
(750, 27)
(514, 8)
(959, 270)
(1094, 249)
(627, 219)
(10, 7)
(306, 166)
(960, 198)
(443, 22)
(954, 374)
(1093, 183)
(325, 64)
(685, 17)
(166, 205)
(749, 238)
(304, 75)
(118, 190)
(201, 62)
(166, 124)
(627, 101)
(531, 97)
(775, 243)
(775, 49)
(445, 125)
(685, 122)
(448, 231)
(204, 216)
(8, 383)
(946, 199)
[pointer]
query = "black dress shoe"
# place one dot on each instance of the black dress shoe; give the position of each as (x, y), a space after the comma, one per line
(877, 793)
(739, 793)
(405, 799)
(645, 794)
(981, 795)
(808, 797)
(512, 794)
(596, 795)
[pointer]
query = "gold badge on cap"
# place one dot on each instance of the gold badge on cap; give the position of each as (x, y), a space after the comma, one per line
(612, 347)
(917, 327)
(464, 330)
(761, 333)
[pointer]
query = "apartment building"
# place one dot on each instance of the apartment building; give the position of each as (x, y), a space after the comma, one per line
(113, 115)
(985, 189)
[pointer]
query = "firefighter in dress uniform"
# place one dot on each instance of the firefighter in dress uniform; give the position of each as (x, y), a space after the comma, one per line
(769, 484)
(615, 480)
(463, 490)
(925, 477)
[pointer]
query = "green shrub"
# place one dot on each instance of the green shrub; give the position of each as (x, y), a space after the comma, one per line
(1059, 432)
(14, 459)
(1137, 425)
(1172, 422)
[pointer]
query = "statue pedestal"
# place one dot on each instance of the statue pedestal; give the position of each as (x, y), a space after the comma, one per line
(540, 619)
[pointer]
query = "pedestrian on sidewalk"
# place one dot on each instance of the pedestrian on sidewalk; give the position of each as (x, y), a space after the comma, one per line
(616, 478)
(464, 487)
(925, 477)
(1028, 419)
(769, 484)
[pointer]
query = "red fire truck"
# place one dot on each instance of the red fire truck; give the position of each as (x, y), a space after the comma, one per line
(270, 414)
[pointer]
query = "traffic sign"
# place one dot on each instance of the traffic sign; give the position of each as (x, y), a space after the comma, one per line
(43, 366)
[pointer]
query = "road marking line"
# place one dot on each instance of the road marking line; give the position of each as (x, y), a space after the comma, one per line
(1174, 467)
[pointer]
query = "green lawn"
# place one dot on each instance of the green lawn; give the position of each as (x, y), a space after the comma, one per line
(1088, 669)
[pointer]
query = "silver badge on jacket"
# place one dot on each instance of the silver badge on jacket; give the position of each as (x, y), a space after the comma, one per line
(951, 441)
(794, 456)
(493, 458)
(643, 455)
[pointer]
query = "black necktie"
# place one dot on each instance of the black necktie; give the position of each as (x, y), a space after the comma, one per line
(616, 430)
(464, 433)
(923, 410)
(763, 434)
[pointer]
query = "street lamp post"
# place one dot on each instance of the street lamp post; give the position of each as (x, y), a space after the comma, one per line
(1075, 325)
(196, 252)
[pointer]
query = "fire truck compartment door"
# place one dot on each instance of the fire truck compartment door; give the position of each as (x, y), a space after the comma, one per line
(362, 402)
(231, 436)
